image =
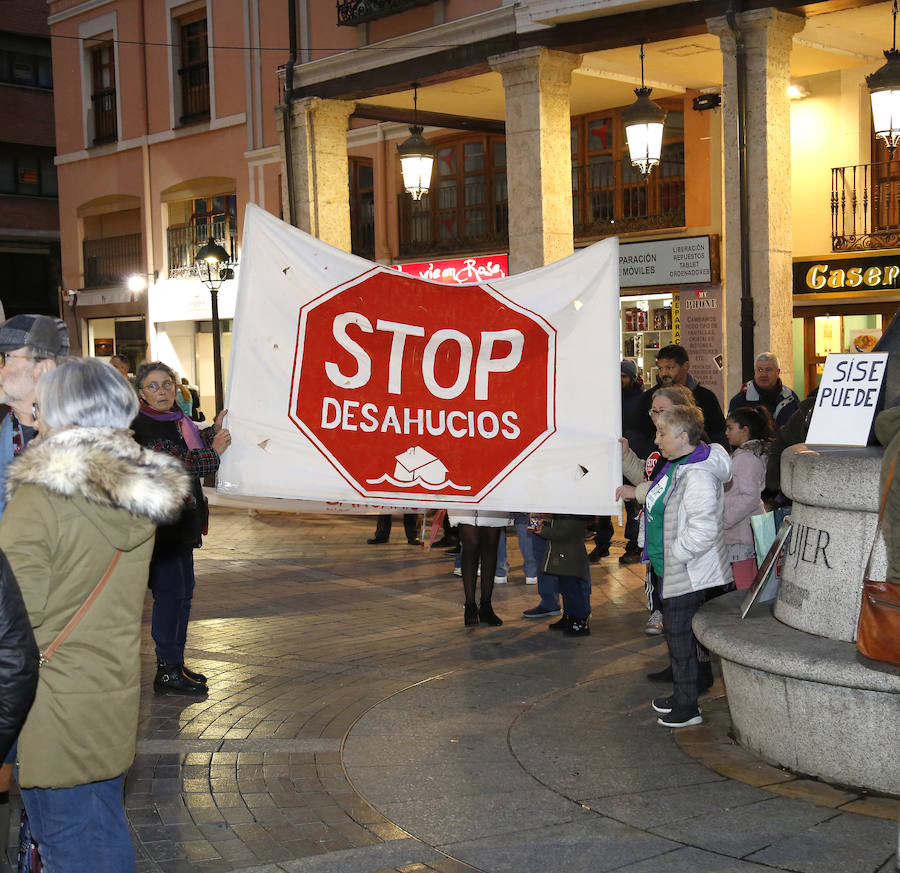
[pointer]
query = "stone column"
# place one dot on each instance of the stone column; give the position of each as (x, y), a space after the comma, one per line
(767, 39)
(538, 154)
(319, 144)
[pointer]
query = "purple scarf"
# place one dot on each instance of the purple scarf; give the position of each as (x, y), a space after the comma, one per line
(189, 432)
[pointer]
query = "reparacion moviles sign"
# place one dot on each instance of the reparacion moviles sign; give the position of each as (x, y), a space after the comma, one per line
(847, 274)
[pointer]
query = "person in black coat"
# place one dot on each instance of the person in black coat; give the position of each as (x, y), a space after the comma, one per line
(674, 369)
(19, 659)
(162, 426)
(19, 662)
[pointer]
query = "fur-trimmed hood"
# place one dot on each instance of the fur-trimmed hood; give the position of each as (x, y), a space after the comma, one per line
(104, 467)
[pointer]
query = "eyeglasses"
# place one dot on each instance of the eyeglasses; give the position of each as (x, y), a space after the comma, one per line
(159, 386)
(6, 357)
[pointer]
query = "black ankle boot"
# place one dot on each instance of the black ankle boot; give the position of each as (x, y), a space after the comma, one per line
(487, 615)
(562, 623)
(471, 615)
(170, 680)
(579, 627)
(199, 678)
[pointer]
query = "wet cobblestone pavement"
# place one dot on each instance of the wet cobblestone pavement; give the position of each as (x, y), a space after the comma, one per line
(354, 725)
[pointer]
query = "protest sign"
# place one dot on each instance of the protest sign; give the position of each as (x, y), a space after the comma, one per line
(847, 399)
(352, 382)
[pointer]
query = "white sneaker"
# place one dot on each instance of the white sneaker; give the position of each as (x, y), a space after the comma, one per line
(654, 624)
(457, 571)
(499, 580)
(531, 580)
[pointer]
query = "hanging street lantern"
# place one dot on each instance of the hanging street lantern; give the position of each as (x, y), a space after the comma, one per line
(416, 156)
(884, 91)
(644, 122)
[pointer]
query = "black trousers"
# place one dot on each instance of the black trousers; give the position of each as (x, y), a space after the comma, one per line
(678, 612)
(410, 526)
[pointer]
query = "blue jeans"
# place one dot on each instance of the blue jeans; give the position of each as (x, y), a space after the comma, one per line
(502, 557)
(81, 829)
(548, 584)
(172, 584)
(527, 546)
(576, 595)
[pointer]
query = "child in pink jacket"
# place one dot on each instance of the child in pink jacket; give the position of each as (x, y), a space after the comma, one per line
(749, 431)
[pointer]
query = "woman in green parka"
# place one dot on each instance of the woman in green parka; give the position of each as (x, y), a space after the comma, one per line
(83, 491)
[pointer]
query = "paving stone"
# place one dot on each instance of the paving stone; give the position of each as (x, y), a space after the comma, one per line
(738, 832)
(844, 842)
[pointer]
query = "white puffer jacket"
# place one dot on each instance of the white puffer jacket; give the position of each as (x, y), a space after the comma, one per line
(694, 553)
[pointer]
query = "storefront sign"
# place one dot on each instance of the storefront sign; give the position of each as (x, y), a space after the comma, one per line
(846, 399)
(461, 271)
(665, 262)
(699, 319)
(825, 276)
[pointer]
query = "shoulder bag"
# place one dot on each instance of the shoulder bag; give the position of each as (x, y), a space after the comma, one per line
(878, 631)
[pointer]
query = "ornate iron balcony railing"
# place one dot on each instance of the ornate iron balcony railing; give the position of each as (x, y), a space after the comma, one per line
(351, 12)
(865, 207)
(185, 240)
(612, 198)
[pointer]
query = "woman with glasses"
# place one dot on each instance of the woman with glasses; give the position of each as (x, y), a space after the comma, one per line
(163, 427)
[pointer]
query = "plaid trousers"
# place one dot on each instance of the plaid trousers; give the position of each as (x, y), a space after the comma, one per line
(678, 612)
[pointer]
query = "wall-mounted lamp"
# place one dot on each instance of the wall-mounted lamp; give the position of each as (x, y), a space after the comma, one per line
(644, 122)
(797, 92)
(416, 156)
(704, 102)
(884, 91)
(138, 281)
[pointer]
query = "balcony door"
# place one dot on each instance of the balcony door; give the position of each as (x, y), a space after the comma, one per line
(885, 188)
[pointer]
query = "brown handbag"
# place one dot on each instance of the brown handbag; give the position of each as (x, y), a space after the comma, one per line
(878, 631)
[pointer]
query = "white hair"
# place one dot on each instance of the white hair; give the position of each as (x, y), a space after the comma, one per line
(768, 356)
(85, 392)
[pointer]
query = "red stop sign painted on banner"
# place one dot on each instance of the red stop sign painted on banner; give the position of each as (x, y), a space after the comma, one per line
(412, 389)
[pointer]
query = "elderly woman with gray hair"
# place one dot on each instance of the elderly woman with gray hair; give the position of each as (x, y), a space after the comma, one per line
(78, 530)
(163, 427)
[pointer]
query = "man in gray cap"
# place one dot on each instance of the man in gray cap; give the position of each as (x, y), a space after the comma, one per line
(30, 345)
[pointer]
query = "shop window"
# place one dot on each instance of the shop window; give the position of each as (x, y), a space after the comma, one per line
(362, 208)
(27, 170)
(194, 70)
(103, 93)
(25, 61)
(611, 196)
(466, 209)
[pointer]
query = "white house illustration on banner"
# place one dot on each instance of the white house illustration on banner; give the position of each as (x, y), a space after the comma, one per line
(416, 463)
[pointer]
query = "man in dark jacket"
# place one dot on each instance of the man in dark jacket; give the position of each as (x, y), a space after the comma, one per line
(674, 369)
(767, 389)
(631, 396)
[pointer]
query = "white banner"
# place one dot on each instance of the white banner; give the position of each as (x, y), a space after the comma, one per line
(352, 382)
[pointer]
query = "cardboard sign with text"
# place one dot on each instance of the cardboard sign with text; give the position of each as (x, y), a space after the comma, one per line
(847, 399)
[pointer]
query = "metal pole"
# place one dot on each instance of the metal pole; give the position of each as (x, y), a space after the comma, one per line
(217, 351)
(748, 322)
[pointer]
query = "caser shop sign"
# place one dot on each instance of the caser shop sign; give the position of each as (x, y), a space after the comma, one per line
(851, 274)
